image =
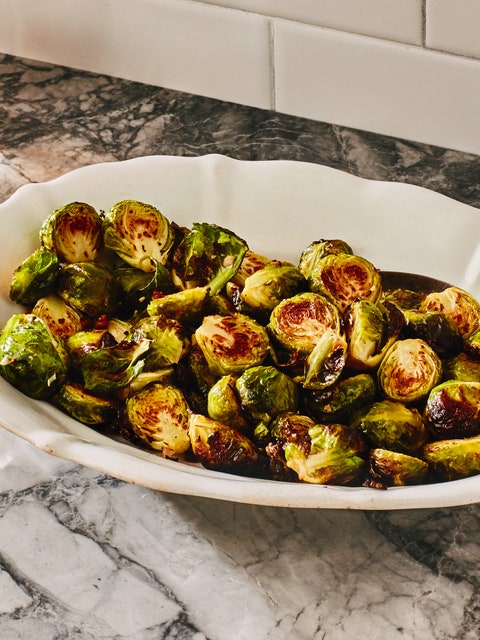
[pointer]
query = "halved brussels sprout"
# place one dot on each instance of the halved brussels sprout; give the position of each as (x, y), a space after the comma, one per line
(471, 345)
(208, 256)
(459, 305)
(462, 367)
(188, 306)
(108, 369)
(82, 342)
(265, 288)
(221, 448)
(344, 277)
(394, 469)
(404, 299)
(169, 341)
(391, 425)
(336, 456)
(35, 277)
(251, 262)
(224, 405)
(453, 410)
(61, 319)
(318, 250)
(85, 407)
(139, 233)
(232, 343)
(138, 286)
(338, 402)
(158, 415)
(409, 370)
(74, 232)
(297, 323)
(326, 361)
(435, 328)
(31, 358)
(88, 287)
(370, 331)
(454, 458)
(265, 392)
(285, 428)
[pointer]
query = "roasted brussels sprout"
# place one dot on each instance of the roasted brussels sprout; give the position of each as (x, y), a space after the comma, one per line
(232, 343)
(208, 256)
(452, 410)
(158, 415)
(452, 459)
(297, 323)
(221, 448)
(137, 286)
(265, 392)
(82, 342)
(251, 262)
(339, 401)
(435, 328)
(61, 319)
(108, 369)
(139, 233)
(317, 250)
(370, 332)
(74, 232)
(394, 469)
(224, 405)
(35, 277)
(89, 409)
(336, 456)
(169, 341)
(265, 288)
(343, 278)
(285, 428)
(188, 306)
(391, 425)
(325, 363)
(409, 370)
(462, 367)
(459, 305)
(31, 359)
(88, 287)
(404, 299)
(471, 345)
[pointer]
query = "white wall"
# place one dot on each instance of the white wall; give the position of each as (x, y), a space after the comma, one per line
(407, 68)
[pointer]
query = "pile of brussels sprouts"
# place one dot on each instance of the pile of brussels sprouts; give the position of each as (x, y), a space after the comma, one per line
(186, 342)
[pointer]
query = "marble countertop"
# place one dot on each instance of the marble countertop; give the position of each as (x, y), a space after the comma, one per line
(85, 556)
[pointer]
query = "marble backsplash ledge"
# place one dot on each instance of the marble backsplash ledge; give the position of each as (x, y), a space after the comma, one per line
(262, 60)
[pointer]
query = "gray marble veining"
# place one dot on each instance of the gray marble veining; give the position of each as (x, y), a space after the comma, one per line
(89, 557)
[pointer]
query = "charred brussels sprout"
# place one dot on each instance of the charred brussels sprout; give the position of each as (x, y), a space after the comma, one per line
(221, 448)
(208, 256)
(391, 425)
(169, 341)
(88, 409)
(188, 307)
(74, 231)
(472, 345)
(88, 287)
(457, 304)
(326, 361)
(435, 328)
(297, 323)
(393, 469)
(317, 250)
(251, 262)
(336, 455)
(108, 369)
(344, 277)
(265, 392)
(453, 410)
(462, 367)
(139, 234)
(224, 403)
(232, 343)
(31, 359)
(265, 288)
(409, 370)
(404, 299)
(81, 343)
(285, 428)
(138, 286)
(35, 277)
(338, 402)
(158, 415)
(61, 319)
(455, 458)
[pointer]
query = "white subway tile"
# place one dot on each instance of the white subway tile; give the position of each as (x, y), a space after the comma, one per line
(177, 44)
(391, 19)
(378, 86)
(454, 26)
